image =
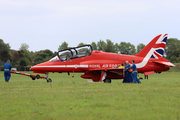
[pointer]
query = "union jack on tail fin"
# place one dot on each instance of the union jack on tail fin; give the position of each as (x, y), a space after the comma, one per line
(155, 49)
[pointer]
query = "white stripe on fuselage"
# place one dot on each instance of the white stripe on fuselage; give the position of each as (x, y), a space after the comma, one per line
(65, 66)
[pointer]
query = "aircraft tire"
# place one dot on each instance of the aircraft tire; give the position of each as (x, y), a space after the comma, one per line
(49, 80)
(37, 76)
(107, 80)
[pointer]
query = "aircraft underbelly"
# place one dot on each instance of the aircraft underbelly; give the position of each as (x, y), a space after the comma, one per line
(95, 76)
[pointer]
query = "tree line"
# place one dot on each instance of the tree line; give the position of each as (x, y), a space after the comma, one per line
(24, 57)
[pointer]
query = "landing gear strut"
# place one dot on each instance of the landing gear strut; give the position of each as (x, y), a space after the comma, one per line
(48, 79)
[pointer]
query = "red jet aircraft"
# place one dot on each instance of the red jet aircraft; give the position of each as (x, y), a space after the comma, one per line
(102, 66)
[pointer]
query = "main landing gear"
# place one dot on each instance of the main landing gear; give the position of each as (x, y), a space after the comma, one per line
(107, 80)
(103, 77)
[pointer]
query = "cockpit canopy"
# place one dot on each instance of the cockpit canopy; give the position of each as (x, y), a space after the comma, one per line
(54, 59)
(73, 53)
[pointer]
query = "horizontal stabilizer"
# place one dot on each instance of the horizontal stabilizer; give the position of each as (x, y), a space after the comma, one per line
(165, 63)
(149, 73)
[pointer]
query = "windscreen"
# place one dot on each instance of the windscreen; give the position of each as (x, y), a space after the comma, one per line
(54, 59)
(65, 55)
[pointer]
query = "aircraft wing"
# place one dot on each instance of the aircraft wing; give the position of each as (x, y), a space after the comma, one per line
(164, 63)
(97, 67)
(118, 71)
(106, 69)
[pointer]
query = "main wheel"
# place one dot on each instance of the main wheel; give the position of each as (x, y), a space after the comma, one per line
(49, 80)
(107, 80)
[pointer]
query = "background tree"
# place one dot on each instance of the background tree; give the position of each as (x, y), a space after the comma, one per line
(24, 47)
(140, 47)
(48, 52)
(25, 54)
(101, 45)
(81, 44)
(94, 46)
(42, 56)
(4, 46)
(21, 53)
(15, 57)
(24, 62)
(5, 53)
(63, 46)
(172, 45)
(127, 48)
(116, 46)
(173, 59)
(110, 47)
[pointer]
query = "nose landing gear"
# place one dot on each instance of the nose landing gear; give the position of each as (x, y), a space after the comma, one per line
(49, 80)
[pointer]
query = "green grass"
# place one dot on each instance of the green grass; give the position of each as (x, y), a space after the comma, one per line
(176, 68)
(74, 98)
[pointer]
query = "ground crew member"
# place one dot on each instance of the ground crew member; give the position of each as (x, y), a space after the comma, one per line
(134, 72)
(128, 76)
(7, 68)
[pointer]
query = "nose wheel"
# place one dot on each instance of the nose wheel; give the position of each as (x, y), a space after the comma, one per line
(49, 80)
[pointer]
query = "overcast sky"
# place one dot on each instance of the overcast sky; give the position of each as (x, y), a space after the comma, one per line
(45, 24)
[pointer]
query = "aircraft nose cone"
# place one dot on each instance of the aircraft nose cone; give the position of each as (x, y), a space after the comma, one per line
(32, 68)
(43, 67)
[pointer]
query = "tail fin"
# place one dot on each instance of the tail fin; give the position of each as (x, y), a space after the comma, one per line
(155, 49)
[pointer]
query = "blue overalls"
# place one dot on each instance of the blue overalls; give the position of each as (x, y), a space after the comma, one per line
(134, 73)
(128, 76)
(7, 74)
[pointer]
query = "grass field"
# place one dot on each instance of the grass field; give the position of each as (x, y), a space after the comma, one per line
(74, 98)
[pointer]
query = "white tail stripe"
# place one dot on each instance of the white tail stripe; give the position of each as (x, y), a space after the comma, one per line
(159, 41)
(146, 59)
